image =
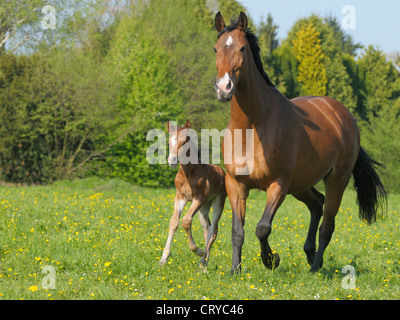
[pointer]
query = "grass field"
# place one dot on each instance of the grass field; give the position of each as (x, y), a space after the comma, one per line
(104, 239)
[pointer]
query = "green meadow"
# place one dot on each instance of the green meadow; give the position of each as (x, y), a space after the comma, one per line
(103, 239)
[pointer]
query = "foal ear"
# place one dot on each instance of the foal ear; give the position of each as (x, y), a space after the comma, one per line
(187, 124)
(242, 22)
(219, 22)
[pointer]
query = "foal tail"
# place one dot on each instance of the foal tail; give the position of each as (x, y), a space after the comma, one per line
(371, 193)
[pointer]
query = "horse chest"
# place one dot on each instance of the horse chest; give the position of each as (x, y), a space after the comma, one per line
(187, 192)
(257, 172)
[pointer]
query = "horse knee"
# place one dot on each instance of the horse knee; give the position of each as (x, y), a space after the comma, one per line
(238, 237)
(186, 224)
(309, 248)
(263, 231)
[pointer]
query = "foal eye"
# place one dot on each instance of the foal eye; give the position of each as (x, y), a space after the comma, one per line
(215, 50)
(242, 49)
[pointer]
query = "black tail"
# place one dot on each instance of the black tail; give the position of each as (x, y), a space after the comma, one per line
(371, 193)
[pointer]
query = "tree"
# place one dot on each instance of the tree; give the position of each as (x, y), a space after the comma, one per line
(312, 72)
(381, 82)
(339, 83)
(268, 42)
(380, 137)
(343, 41)
(267, 35)
(57, 113)
(14, 17)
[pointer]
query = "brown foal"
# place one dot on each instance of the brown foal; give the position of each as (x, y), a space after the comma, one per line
(202, 184)
(296, 144)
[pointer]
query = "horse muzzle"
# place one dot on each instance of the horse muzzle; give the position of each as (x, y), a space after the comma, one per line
(225, 88)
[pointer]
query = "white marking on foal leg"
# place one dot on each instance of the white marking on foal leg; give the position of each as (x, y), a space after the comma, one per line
(173, 225)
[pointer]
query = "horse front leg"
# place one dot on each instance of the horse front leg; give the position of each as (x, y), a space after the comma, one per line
(237, 194)
(218, 206)
(179, 205)
(276, 194)
(187, 225)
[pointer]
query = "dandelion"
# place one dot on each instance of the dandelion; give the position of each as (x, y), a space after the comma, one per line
(107, 264)
(33, 288)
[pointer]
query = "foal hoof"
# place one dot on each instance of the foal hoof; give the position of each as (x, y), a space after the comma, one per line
(271, 261)
(202, 267)
(199, 252)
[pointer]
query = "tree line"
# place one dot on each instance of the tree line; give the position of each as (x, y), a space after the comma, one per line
(78, 100)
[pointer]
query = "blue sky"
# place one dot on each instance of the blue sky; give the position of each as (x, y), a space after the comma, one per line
(377, 22)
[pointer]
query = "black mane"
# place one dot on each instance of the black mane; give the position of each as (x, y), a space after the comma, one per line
(255, 48)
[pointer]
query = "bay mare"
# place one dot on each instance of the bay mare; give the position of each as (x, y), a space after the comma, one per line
(201, 184)
(297, 143)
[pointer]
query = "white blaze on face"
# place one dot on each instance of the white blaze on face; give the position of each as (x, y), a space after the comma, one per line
(229, 41)
(173, 156)
(174, 140)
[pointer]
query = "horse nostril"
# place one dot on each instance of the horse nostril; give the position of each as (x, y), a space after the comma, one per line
(229, 85)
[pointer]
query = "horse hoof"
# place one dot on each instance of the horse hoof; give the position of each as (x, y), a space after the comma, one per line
(271, 261)
(318, 267)
(202, 267)
(236, 270)
(310, 259)
(199, 252)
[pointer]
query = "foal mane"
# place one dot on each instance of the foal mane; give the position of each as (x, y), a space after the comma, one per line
(255, 48)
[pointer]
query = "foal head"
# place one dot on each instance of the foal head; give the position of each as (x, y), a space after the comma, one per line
(237, 47)
(179, 138)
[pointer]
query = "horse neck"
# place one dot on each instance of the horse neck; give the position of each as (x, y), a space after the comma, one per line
(253, 100)
(187, 168)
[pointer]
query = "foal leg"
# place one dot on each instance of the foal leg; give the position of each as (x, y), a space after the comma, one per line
(314, 200)
(204, 219)
(179, 205)
(218, 206)
(187, 225)
(276, 194)
(237, 194)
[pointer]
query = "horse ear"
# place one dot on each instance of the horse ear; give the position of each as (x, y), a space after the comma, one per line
(242, 22)
(187, 124)
(219, 22)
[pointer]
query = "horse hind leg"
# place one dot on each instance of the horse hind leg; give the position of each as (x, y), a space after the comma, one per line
(335, 184)
(314, 201)
(204, 219)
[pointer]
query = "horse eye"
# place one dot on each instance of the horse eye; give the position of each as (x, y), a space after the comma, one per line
(215, 50)
(242, 49)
